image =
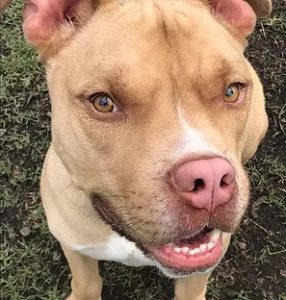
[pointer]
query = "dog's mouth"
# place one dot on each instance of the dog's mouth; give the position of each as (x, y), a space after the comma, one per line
(196, 253)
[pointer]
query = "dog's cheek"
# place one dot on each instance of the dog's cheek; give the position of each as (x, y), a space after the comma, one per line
(257, 122)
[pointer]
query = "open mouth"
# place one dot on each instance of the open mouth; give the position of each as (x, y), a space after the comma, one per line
(189, 255)
(195, 253)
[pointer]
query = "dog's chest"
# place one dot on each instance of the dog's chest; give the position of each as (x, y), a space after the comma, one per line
(117, 249)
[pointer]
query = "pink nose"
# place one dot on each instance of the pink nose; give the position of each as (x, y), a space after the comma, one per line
(205, 183)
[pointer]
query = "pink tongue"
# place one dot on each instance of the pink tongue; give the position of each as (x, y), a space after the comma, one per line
(195, 242)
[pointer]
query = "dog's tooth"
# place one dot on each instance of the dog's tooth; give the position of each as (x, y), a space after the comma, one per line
(185, 250)
(177, 249)
(203, 247)
(191, 252)
(214, 235)
(197, 250)
(210, 245)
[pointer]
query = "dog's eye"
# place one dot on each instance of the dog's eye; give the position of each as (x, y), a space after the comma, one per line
(233, 93)
(103, 103)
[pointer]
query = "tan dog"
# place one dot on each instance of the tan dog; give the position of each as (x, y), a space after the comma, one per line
(154, 111)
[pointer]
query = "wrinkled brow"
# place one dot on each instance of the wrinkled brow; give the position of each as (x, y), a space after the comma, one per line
(219, 68)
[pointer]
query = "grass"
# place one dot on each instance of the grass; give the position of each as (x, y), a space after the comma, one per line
(32, 265)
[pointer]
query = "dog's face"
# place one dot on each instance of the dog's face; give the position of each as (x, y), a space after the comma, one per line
(154, 111)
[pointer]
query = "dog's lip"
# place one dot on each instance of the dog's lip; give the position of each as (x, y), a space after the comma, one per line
(172, 262)
(188, 257)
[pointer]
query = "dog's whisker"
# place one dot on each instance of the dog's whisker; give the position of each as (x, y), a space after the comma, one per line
(118, 196)
(128, 208)
(127, 191)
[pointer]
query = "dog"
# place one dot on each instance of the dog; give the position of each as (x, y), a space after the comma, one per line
(155, 111)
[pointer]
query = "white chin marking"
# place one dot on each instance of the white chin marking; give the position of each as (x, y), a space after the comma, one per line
(193, 141)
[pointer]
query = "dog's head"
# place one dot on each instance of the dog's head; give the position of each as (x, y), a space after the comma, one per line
(154, 111)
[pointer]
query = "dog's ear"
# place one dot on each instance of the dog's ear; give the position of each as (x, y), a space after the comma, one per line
(49, 24)
(241, 14)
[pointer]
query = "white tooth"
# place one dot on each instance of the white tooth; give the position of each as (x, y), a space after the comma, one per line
(211, 245)
(196, 250)
(191, 252)
(214, 235)
(203, 247)
(177, 249)
(185, 250)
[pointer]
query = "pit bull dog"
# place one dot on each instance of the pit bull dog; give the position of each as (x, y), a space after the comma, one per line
(155, 110)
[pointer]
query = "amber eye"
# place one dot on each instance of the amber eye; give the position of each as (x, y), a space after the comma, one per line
(232, 93)
(103, 103)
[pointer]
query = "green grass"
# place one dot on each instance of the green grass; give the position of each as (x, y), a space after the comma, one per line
(32, 265)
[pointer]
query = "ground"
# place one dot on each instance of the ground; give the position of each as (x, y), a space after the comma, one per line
(32, 264)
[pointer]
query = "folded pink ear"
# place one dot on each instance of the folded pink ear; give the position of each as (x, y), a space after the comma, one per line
(236, 12)
(43, 17)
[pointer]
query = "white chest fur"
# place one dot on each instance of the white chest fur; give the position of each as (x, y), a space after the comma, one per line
(118, 249)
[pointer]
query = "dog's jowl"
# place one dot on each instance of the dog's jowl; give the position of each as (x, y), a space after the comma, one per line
(155, 110)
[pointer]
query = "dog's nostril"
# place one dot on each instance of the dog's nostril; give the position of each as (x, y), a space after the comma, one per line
(226, 180)
(198, 185)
